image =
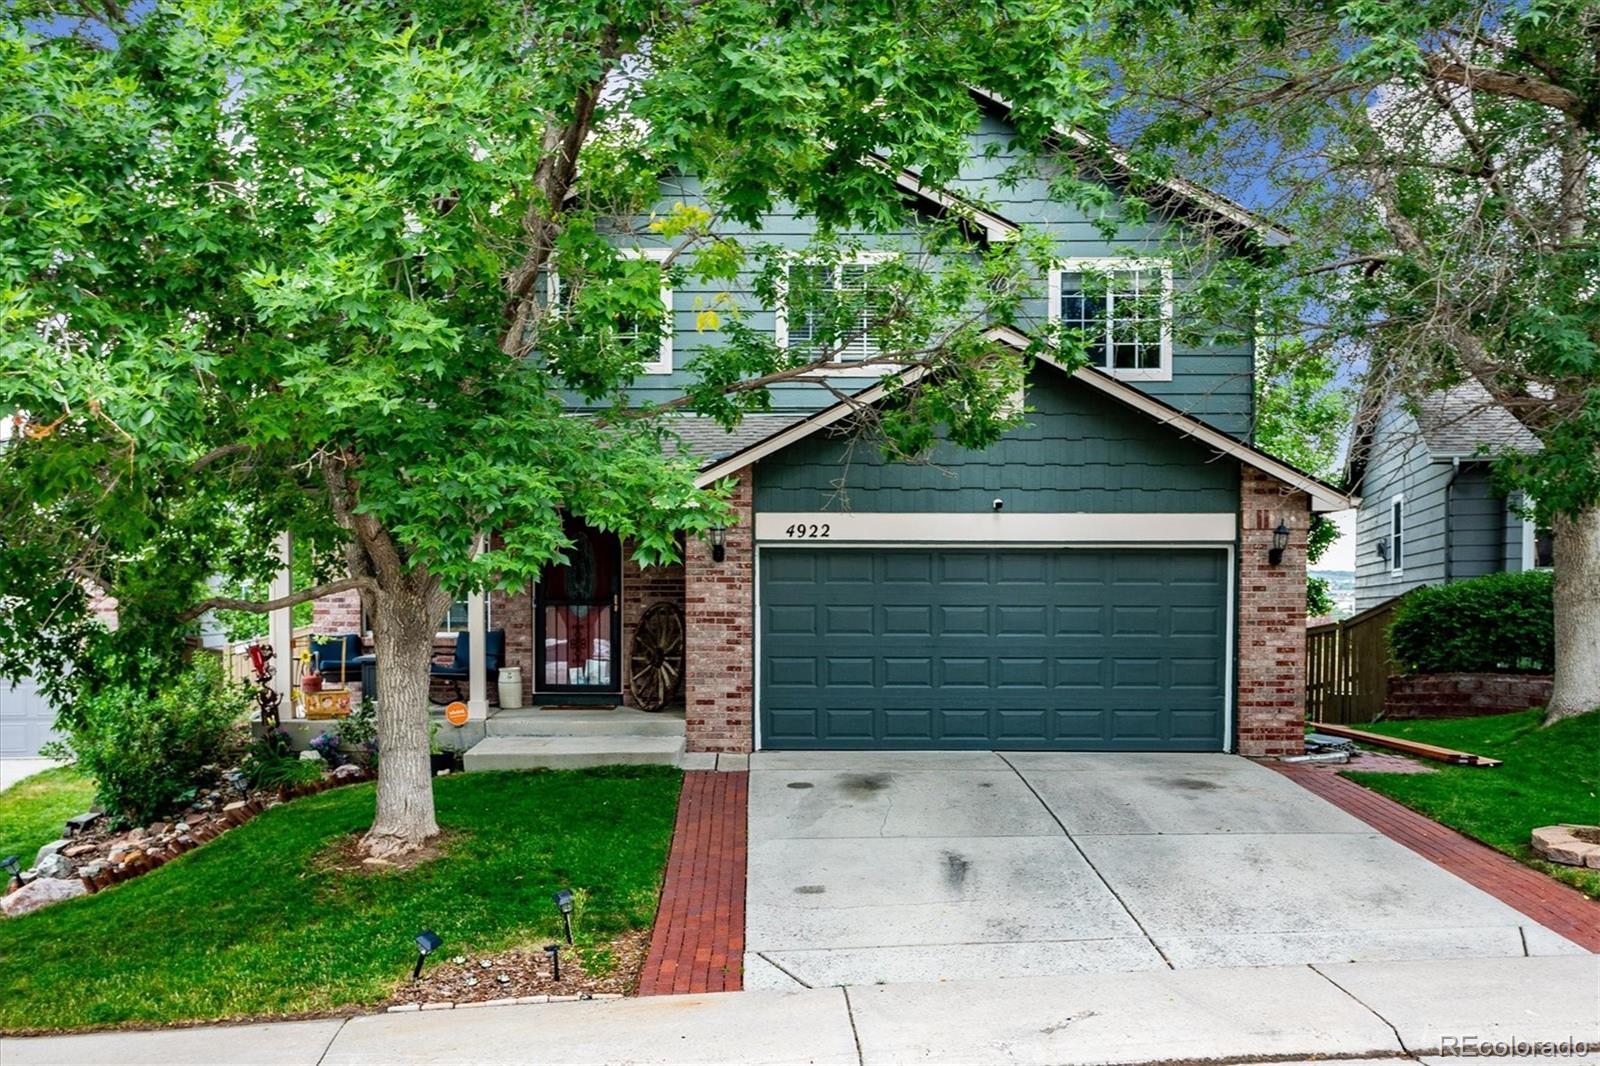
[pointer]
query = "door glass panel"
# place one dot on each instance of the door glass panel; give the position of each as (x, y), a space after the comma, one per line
(577, 645)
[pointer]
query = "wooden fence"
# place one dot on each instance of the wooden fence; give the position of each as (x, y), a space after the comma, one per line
(1348, 666)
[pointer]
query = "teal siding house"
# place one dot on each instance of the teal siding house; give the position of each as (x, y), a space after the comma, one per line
(1123, 572)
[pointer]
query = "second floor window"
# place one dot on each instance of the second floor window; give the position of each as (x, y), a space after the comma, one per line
(1122, 311)
(653, 336)
(1397, 537)
(825, 307)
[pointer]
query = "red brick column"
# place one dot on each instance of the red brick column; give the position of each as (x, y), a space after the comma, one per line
(642, 588)
(337, 614)
(720, 624)
(1272, 618)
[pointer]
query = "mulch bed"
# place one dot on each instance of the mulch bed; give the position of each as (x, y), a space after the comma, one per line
(525, 971)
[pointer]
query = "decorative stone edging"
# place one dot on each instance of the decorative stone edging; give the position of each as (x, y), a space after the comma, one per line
(508, 1001)
(1569, 845)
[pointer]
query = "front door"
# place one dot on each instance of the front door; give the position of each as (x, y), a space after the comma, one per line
(578, 631)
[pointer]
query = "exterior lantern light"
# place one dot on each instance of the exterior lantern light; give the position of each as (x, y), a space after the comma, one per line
(554, 951)
(1280, 541)
(563, 899)
(719, 544)
(427, 943)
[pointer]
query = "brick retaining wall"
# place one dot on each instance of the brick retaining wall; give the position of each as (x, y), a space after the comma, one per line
(1464, 695)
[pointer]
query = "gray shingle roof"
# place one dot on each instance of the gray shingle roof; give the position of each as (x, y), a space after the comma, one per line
(710, 443)
(1465, 420)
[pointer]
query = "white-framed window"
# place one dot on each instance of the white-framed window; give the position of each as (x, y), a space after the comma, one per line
(1538, 546)
(799, 327)
(1123, 307)
(1397, 533)
(633, 331)
(457, 619)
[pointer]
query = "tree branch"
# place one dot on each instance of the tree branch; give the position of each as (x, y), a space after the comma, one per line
(227, 603)
(1508, 83)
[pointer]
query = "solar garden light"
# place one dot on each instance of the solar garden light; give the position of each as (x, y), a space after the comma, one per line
(554, 951)
(427, 943)
(563, 900)
(12, 864)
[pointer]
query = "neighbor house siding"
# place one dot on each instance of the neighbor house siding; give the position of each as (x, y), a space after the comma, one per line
(1477, 525)
(1399, 463)
(1080, 452)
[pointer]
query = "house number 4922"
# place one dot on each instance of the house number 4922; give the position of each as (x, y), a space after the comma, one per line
(800, 529)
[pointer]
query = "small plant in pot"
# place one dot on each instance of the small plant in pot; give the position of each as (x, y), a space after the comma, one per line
(440, 760)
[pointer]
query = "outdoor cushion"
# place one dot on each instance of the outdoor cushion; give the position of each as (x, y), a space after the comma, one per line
(336, 657)
(494, 648)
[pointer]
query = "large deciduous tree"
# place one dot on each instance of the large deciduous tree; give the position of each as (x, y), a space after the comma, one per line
(286, 266)
(1439, 163)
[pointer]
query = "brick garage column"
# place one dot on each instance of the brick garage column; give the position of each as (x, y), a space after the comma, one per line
(1272, 618)
(720, 624)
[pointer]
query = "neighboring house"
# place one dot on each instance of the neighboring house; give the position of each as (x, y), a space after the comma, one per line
(1104, 578)
(1430, 512)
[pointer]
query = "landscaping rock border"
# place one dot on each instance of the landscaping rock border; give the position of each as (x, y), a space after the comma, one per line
(93, 860)
(1568, 844)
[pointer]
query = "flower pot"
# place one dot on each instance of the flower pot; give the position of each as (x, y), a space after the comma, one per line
(445, 760)
(311, 683)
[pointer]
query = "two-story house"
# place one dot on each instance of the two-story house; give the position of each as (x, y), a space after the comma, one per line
(1124, 572)
(1430, 511)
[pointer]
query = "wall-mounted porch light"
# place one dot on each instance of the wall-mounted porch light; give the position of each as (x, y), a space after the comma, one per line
(1280, 542)
(719, 544)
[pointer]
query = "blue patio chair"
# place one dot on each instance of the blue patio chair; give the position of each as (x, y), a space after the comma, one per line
(459, 668)
(336, 658)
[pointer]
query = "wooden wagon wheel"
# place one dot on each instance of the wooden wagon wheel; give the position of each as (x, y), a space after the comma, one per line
(655, 664)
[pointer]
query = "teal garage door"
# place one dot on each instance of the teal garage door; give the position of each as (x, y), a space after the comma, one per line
(1072, 650)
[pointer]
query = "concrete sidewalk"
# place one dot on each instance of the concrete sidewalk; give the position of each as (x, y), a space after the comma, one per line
(1379, 1011)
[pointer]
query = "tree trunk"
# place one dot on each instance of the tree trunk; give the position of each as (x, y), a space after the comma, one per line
(1577, 604)
(402, 629)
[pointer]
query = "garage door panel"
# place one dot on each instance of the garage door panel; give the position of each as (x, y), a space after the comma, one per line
(1025, 648)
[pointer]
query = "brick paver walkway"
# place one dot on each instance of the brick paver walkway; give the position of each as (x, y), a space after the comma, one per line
(1547, 901)
(698, 941)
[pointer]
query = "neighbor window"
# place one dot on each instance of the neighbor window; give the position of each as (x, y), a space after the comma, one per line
(456, 619)
(812, 290)
(634, 331)
(1397, 543)
(1122, 309)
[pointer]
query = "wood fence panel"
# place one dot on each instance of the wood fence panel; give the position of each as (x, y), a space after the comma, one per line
(1348, 666)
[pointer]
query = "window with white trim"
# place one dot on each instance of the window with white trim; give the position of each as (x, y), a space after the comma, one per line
(802, 323)
(633, 331)
(1122, 308)
(1397, 534)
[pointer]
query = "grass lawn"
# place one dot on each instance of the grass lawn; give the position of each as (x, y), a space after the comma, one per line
(255, 924)
(33, 811)
(1550, 775)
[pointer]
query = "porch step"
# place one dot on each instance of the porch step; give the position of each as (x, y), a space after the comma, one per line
(600, 722)
(572, 753)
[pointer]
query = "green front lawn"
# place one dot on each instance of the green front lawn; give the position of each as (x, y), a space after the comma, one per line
(1550, 775)
(256, 923)
(34, 810)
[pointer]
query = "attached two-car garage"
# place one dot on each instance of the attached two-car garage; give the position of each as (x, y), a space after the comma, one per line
(1090, 649)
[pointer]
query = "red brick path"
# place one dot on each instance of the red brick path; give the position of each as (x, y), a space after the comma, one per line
(1547, 901)
(698, 942)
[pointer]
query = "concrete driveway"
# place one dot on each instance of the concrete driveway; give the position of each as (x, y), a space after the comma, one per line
(869, 867)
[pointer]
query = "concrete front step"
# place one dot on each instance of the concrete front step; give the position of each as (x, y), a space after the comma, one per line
(600, 722)
(572, 753)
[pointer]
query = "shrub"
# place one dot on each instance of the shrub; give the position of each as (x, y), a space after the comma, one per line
(1498, 623)
(149, 752)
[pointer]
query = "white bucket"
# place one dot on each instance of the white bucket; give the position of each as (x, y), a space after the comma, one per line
(510, 688)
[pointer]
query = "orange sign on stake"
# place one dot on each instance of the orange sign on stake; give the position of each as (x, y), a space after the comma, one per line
(456, 713)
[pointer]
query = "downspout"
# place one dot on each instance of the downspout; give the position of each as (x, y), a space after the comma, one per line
(1449, 547)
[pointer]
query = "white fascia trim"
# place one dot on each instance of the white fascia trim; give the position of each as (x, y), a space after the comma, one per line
(1113, 265)
(801, 430)
(995, 229)
(820, 529)
(1211, 201)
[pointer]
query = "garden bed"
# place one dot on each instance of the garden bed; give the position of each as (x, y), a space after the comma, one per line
(258, 924)
(1549, 776)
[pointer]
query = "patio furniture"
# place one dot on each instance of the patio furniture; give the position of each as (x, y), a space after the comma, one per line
(338, 658)
(460, 667)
